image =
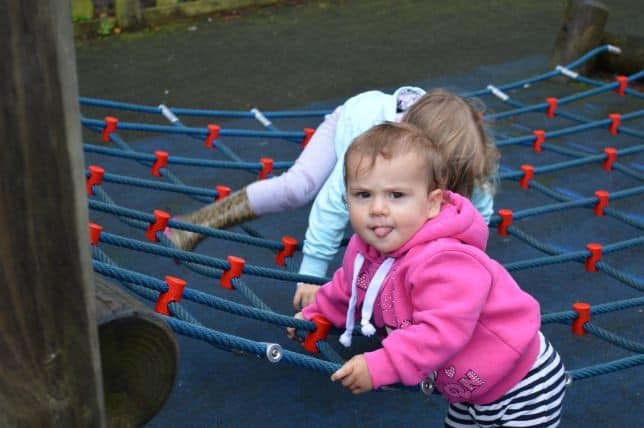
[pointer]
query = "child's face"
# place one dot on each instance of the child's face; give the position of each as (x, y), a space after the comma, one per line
(391, 201)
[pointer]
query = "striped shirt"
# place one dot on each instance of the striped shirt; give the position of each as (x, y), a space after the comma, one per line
(536, 401)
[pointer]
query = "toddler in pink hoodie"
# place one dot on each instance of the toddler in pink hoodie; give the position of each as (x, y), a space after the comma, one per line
(417, 268)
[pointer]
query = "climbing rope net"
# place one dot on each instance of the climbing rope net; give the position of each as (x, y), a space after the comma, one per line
(570, 202)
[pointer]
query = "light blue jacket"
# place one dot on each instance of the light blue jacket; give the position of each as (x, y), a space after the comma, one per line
(329, 216)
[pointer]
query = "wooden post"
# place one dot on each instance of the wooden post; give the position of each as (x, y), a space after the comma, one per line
(139, 356)
(630, 61)
(49, 355)
(581, 30)
(128, 13)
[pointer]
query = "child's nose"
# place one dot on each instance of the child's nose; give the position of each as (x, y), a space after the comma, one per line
(378, 206)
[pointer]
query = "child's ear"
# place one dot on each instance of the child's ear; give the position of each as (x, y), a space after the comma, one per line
(435, 201)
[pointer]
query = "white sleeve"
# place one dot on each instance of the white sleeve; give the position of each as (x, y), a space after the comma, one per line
(327, 222)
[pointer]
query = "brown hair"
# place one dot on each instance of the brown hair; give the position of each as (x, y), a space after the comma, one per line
(456, 127)
(391, 139)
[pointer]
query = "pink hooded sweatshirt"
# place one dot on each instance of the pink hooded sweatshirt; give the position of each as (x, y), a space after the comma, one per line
(452, 311)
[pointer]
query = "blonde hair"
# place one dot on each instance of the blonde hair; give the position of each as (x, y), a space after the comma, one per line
(456, 127)
(391, 139)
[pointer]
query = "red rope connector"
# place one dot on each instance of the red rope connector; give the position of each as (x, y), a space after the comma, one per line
(583, 316)
(234, 271)
(308, 133)
(267, 167)
(595, 256)
(611, 157)
(111, 123)
(213, 134)
(552, 106)
(539, 138)
(623, 84)
(602, 202)
(528, 174)
(321, 332)
(289, 248)
(506, 221)
(95, 233)
(616, 121)
(174, 293)
(95, 178)
(160, 162)
(222, 192)
(160, 223)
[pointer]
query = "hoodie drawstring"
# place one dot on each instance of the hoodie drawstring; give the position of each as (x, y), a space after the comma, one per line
(370, 298)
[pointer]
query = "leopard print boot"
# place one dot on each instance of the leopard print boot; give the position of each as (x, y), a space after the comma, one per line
(228, 212)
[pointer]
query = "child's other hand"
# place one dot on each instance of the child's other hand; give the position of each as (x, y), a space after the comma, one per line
(290, 331)
(304, 295)
(354, 375)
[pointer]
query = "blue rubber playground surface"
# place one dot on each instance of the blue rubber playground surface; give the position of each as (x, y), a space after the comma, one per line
(570, 232)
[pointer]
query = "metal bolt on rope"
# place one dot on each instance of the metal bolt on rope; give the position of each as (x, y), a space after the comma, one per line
(273, 352)
(427, 386)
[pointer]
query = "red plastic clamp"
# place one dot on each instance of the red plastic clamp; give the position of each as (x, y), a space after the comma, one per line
(234, 271)
(321, 332)
(623, 84)
(267, 167)
(528, 174)
(308, 133)
(616, 121)
(222, 191)
(289, 248)
(213, 134)
(111, 124)
(602, 202)
(95, 233)
(174, 293)
(160, 162)
(160, 223)
(539, 138)
(583, 316)
(506, 221)
(611, 158)
(552, 106)
(95, 178)
(595, 256)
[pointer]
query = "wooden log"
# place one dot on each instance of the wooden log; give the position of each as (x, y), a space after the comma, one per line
(49, 356)
(630, 61)
(139, 356)
(582, 29)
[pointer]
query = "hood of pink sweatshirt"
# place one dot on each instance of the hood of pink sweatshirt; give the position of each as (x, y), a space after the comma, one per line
(453, 313)
(458, 220)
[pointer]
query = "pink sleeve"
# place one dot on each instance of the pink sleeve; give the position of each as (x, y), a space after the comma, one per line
(447, 304)
(299, 185)
(331, 301)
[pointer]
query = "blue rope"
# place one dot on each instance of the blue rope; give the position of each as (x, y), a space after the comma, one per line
(184, 323)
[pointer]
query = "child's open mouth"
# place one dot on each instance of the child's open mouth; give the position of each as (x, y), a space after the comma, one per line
(382, 231)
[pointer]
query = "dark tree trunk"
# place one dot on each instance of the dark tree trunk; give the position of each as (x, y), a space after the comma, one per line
(582, 29)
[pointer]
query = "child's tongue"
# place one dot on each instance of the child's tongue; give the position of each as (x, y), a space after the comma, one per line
(382, 231)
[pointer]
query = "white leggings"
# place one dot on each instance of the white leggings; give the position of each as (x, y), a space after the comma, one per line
(302, 182)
